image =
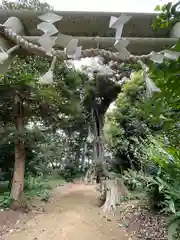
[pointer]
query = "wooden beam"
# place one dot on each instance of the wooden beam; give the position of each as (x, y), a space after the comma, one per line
(89, 23)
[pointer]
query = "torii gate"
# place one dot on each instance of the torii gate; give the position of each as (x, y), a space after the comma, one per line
(21, 32)
(20, 28)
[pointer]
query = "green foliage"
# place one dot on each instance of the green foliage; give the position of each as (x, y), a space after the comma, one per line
(41, 186)
(25, 4)
(34, 187)
(162, 109)
(144, 132)
(161, 187)
(71, 172)
(164, 188)
(40, 103)
(5, 199)
(125, 128)
(132, 179)
(58, 108)
(168, 15)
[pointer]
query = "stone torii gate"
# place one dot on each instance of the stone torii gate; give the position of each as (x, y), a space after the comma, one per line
(72, 35)
(21, 31)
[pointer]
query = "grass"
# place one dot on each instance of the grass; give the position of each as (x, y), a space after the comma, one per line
(33, 187)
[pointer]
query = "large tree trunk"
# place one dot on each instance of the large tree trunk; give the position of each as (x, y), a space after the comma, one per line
(113, 188)
(95, 170)
(19, 165)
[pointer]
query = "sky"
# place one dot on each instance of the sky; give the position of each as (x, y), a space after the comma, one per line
(106, 5)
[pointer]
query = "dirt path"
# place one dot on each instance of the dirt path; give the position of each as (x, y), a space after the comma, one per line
(72, 215)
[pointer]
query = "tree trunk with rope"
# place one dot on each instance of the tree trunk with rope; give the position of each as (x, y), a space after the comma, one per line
(112, 188)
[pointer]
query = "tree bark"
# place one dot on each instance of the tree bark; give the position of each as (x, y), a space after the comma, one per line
(112, 195)
(19, 165)
(98, 145)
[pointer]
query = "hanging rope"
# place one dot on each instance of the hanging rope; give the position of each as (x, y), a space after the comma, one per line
(35, 49)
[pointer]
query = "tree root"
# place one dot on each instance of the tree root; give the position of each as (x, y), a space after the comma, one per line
(22, 204)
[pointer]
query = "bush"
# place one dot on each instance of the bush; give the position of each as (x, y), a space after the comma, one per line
(163, 188)
(33, 186)
(71, 172)
(132, 180)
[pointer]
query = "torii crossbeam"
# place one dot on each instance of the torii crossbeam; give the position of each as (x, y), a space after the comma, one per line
(90, 28)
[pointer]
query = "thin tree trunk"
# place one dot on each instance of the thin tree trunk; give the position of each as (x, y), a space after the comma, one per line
(19, 165)
(99, 150)
(83, 163)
